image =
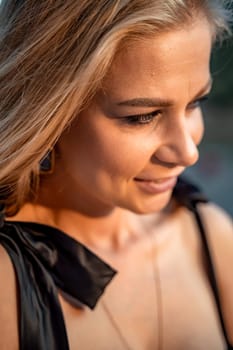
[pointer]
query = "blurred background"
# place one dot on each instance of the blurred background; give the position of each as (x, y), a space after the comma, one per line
(214, 170)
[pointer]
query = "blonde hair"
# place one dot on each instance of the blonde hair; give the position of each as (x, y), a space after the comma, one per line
(54, 55)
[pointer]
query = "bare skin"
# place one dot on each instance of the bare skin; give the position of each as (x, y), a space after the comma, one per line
(189, 318)
(100, 161)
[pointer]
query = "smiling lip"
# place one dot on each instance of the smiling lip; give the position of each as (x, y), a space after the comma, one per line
(156, 186)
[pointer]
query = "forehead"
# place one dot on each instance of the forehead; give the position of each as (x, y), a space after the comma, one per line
(160, 62)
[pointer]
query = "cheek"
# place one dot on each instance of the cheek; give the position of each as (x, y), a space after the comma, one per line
(108, 149)
(120, 154)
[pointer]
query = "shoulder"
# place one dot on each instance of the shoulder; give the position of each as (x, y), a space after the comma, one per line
(217, 222)
(216, 218)
(219, 229)
(8, 303)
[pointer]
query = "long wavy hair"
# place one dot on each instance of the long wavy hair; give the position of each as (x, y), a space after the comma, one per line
(54, 55)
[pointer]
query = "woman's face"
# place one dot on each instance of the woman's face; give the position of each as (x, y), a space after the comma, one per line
(143, 127)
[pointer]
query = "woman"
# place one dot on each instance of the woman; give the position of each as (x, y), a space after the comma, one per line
(100, 115)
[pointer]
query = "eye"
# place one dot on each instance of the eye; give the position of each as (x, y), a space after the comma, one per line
(141, 119)
(197, 103)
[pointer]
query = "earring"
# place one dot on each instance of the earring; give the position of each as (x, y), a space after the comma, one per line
(47, 163)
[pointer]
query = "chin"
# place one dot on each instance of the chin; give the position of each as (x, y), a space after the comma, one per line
(156, 203)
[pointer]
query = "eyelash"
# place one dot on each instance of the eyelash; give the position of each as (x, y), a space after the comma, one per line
(144, 119)
(198, 103)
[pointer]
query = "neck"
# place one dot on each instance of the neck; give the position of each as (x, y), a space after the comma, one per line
(112, 231)
(100, 227)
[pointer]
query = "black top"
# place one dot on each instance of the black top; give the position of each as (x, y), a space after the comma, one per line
(46, 259)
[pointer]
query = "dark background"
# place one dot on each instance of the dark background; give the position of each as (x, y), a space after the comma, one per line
(214, 170)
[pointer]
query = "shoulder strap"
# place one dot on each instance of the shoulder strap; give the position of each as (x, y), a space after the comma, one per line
(41, 323)
(211, 272)
(189, 196)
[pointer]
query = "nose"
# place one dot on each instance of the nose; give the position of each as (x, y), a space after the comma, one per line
(178, 146)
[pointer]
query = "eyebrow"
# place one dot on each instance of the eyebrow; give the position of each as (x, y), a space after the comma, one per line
(159, 102)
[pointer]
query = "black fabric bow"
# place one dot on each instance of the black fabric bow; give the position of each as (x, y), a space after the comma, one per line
(46, 259)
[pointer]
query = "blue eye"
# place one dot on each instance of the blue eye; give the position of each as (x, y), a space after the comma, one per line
(141, 119)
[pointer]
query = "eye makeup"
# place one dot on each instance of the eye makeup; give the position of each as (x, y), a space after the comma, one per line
(141, 119)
